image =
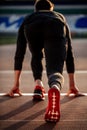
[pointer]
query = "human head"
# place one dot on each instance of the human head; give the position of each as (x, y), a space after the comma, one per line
(43, 5)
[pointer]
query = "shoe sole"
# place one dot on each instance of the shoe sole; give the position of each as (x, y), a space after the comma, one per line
(52, 116)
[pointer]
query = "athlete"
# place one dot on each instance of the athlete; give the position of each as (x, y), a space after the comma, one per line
(48, 30)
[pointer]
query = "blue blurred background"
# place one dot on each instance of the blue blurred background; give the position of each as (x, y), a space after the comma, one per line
(12, 13)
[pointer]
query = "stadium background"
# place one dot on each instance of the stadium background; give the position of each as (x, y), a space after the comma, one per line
(12, 13)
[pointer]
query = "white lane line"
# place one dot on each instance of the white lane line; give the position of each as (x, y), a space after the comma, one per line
(30, 72)
(31, 94)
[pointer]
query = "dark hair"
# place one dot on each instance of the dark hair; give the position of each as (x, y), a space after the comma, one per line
(43, 5)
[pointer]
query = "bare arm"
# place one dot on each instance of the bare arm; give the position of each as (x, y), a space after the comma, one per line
(17, 74)
(15, 88)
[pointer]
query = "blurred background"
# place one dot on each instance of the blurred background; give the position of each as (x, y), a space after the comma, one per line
(12, 13)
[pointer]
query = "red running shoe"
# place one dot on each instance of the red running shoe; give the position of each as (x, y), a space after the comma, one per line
(53, 109)
(39, 93)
